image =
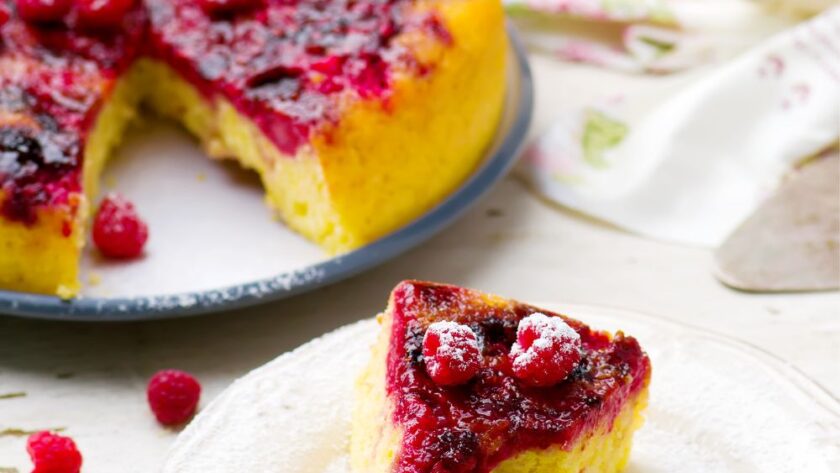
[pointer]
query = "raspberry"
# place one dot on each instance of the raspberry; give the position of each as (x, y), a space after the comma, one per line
(330, 66)
(102, 13)
(118, 231)
(38, 11)
(53, 453)
(227, 6)
(451, 353)
(173, 396)
(4, 14)
(546, 351)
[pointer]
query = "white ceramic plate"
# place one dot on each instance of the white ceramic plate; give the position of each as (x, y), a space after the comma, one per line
(199, 259)
(717, 405)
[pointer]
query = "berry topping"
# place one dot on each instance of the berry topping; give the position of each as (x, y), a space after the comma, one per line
(330, 65)
(546, 351)
(173, 396)
(118, 231)
(4, 14)
(102, 13)
(43, 11)
(474, 427)
(53, 453)
(227, 6)
(451, 353)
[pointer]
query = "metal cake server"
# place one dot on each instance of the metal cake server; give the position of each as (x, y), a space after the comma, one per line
(792, 242)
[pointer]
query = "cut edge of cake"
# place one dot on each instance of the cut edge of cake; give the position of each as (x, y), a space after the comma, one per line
(441, 124)
(346, 188)
(44, 256)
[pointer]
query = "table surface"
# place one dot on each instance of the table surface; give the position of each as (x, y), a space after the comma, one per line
(90, 379)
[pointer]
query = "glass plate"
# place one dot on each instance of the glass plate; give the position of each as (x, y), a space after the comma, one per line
(717, 405)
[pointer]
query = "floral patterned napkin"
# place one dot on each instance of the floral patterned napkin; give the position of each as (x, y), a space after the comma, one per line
(631, 36)
(658, 36)
(687, 155)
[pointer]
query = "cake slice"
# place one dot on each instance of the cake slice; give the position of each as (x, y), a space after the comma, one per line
(358, 115)
(462, 381)
(63, 107)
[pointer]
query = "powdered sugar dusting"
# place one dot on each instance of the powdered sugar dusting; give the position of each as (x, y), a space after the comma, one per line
(457, 343)
(553, 334)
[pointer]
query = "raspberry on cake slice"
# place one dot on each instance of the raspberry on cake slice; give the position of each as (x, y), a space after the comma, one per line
(466, 382)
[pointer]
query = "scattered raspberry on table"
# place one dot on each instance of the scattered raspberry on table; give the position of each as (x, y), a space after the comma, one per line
(53, 453)
(173, 396)
(118, 231)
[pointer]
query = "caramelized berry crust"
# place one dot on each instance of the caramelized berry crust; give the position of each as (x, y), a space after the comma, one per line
(282, 63)
(53, 80)
(475, 426)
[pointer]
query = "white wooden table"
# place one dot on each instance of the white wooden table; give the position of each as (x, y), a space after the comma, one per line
(90, 379)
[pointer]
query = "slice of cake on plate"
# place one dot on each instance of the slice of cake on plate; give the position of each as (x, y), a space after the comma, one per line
(358, 115)
(462, 381)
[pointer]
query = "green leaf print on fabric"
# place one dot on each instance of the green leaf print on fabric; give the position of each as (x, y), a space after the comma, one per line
(653, 11)
(600, 133)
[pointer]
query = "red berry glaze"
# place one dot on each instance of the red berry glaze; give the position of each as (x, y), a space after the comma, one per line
(473, 427)
(4, 14)
(173, 396)
(451, 353)
(546, 351)
(118, 231)
(53, 453)
(102, 13)
(226, 6)
(38, 11)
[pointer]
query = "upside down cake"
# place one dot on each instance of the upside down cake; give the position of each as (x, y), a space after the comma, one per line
(466, 382)
(358, 115)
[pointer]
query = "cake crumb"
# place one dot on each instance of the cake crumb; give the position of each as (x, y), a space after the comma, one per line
(94, 279)
(65, 293)
(110, 182)
(201, 177)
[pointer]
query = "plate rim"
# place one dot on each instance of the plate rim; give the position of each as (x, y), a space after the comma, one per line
(291, 283)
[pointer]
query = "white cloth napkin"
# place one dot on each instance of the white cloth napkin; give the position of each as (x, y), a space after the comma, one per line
(687, 163)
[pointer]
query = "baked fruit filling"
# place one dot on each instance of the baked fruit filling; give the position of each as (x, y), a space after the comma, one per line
(462, 381)
(358, 115)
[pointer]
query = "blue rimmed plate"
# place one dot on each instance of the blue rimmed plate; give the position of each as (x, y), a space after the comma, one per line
(199, 259)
